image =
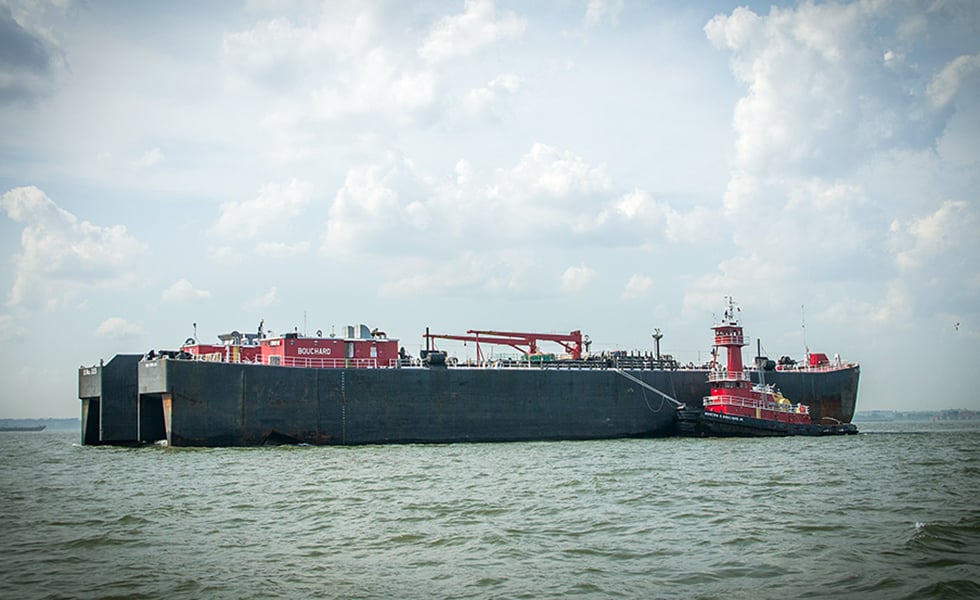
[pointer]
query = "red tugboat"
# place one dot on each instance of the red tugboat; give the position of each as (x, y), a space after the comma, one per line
(738, 407)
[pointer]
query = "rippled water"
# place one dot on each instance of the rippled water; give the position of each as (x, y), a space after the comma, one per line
(890, 513)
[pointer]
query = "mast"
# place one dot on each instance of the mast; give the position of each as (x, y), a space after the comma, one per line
(728, 335)
(806, 348)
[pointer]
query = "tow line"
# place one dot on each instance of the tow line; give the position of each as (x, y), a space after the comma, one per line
(677, 403)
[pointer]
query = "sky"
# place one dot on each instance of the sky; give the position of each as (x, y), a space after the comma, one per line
(610, 166)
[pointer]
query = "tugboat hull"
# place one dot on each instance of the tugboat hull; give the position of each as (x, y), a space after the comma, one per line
(700, 423)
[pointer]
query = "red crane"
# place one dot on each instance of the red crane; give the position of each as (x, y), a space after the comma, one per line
(526, 343)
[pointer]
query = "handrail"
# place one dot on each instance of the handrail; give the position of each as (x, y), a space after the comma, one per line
(307, 363)
(726, 400)
(729, 339)
(727, 376)
(819, 369)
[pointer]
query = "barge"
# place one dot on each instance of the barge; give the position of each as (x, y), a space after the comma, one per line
(363, 388)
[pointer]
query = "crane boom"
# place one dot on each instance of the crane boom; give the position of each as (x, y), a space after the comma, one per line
(524, 342)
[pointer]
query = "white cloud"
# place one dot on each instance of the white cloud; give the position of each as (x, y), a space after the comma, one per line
(637, 214)
(268, 298)
(829, 118)
(819, 96)
(548, 194)
(118, 328)
(753, 279)
(60, 254)
(893, 310)
(637, 286)
(478, 25)
(489, 100)
(370, 205)
(799, 213)
(281, 250)
(11, 328)
(183, 291)
(377, 83)
(148, 159)
(549, 197)
(334, 68)
(951, 226)
(576, 279)
(597, 11)
(948, 81)
(276, 204)
(226, 255)
(546, 172)
(484, 272)
(281, 55)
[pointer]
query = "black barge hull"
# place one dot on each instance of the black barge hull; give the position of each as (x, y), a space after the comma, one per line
(201, 403)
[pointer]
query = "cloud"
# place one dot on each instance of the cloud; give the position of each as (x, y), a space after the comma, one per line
(30, 60)
(754, 279)
(489, 101)
(576, 279)
(226, 255)
(378, 84)
(11, 329)
(928, 239)
(118, 328)
(460, 35)
(280, 55)
(799, 213)
(597, 11)
(636, 215)
(546, 172)
(484, 272)
(266, 299)
(948, 81)
(548, 198)
(183, 291)
(61, 255)
(894, 310)
(332, 70)
(819, 96)
(276, 204)
(281, 250)
(549, 194)
(148, 159)
(346, 69)
(832, 124)
(637, 286)
(376, 202)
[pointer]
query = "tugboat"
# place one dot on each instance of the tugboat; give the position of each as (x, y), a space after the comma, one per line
(738, 407)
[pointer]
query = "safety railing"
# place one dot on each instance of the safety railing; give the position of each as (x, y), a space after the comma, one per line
(729, 339)
(726, 400)
(306, 363)
(723, 375)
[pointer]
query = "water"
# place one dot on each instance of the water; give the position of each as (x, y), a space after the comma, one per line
(890, 513)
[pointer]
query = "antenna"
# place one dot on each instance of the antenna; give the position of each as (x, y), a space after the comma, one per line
(806, 348)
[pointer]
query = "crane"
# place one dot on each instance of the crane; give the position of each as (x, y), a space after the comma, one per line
(524, 342)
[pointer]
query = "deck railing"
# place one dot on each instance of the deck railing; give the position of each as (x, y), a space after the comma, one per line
(726, 400)
(729, 339)
(715, 376)
(628, 363)
(308, 363)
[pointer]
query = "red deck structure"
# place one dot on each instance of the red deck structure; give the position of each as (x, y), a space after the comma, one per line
(732, 390)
